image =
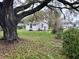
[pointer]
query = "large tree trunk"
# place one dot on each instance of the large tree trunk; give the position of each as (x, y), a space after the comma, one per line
(10, 33)
(8, 23)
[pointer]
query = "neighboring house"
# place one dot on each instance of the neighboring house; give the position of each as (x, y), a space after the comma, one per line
(40, 25)
(67, 24)
(77, 23)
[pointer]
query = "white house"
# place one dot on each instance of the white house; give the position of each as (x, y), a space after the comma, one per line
(67, 24)
(77, 23)
(40, 25)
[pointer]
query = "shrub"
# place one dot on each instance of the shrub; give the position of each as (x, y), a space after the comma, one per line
(71, 43)
(54, 31)
(59, 33)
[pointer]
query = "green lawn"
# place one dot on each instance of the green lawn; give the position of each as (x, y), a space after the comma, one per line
(36, 45)
(35, 35)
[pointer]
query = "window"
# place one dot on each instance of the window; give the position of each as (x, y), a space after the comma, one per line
(42, 25)
(30, 25)
(34, 24)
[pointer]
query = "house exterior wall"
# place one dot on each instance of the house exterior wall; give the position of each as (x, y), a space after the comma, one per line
(45, 26)
(27, 27)
(66, 24)
(35, 27)
(77, 23)
(38, 26)
(77, 26)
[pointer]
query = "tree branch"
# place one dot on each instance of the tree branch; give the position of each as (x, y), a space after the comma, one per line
(51, 6)
(26, 13)
(8, 3)
(1, 4)
(20, 8)
(70, 4)
(23, 7)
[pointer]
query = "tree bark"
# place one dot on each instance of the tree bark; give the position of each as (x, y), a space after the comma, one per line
(8, 23)
(10, 33)
(9, 26)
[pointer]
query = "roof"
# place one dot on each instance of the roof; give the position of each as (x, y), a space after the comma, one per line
(20, 24)
(34, 22)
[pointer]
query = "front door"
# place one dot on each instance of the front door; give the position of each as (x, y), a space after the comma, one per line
(30, 26)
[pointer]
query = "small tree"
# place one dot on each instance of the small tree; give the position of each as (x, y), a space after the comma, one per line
(38, 16)
(54, 19)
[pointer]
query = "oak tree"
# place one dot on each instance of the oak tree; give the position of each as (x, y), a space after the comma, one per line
(10, 16)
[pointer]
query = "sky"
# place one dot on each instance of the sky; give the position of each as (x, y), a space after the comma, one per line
(74, 18)
(1, 0)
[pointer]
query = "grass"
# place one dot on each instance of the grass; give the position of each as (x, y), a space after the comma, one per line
(35, 35)
(36, 45)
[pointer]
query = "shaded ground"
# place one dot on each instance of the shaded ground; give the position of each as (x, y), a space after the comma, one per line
(7, 48)
(26, 49)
